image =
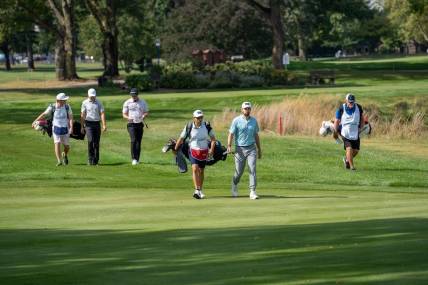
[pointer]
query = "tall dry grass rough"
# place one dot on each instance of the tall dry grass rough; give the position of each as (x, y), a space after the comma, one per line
(303, 116)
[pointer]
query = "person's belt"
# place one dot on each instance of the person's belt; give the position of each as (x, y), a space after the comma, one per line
(246, 145)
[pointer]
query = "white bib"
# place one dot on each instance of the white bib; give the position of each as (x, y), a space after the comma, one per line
(350, 123)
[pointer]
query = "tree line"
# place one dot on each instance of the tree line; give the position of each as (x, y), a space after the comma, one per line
(125, 31)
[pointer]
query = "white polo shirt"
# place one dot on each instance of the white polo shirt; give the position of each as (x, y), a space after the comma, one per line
(93, 110)
(60, 118)
(135, 110)
(199, 137)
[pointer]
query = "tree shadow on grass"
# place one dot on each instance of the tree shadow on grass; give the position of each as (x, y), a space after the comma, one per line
(372, 252)
(243, 195)
(104, 164)
(401, 169)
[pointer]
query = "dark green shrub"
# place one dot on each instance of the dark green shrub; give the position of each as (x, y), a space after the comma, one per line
(179, 67)
(253, 67)
(248, 81)
(178, 80)
(156, 70)
(224, 79)
(278, 77)
(256, 73)
(296, 79)
(202, 80)
(141, 81)
(197, 64)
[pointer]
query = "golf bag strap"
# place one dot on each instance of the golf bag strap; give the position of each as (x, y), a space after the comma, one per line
(67, 108)
(189, 127)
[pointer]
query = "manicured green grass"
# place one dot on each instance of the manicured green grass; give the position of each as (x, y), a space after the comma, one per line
(365, 63)
(45, 72)
(315, 223)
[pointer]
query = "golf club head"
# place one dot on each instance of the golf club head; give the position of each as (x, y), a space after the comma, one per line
(169, 145)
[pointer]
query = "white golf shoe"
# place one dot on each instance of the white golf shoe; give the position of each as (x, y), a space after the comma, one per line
(197, 194)
(234, 190)
(253, 195)
(202, 195)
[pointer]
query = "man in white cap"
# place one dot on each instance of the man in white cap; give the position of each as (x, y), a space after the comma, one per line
(201, 146)
(245, 130)
(350, 117)
(91, 114)
(134, 111)
(62, 126)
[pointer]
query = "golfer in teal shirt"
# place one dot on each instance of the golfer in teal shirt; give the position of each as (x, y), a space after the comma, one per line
(244, 129)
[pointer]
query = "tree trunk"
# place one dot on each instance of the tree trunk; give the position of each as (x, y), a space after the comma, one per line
(60, 69)
(111, 55)
(273, 15)
(301, 46)
(30, 52)
(423, 31)
(69, 39)
(106, 19)
(110, 43)
(6, 50)
(65, 51)
(278, 33)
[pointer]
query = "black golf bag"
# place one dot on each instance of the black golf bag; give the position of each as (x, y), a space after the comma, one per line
(220, 153)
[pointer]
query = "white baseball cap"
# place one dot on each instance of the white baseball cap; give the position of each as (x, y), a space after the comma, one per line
(197, 114)
(62, 97)
(246, 105)
(350, 98)
(92, 92)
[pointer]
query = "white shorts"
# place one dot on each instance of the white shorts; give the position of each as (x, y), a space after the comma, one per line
(64, 139)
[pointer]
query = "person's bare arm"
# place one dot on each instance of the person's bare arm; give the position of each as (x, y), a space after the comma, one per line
(259, 148)
(82, 121)
(178, 144)
(213, 140)
(125, 116)
(103, 121)
(70, 123)
(42, 115)
(336, 124)
(229, 142)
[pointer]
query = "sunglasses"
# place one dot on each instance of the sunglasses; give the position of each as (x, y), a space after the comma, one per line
(247, 108)
(199, 118)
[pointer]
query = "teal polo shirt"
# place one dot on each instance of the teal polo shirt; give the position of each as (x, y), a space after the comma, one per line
(244, 130)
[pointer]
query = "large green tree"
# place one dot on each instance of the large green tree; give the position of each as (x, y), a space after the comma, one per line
(8, 22)
(313, 24)
(58, 18)
(136, 29)
(410, 18)
(224, 24)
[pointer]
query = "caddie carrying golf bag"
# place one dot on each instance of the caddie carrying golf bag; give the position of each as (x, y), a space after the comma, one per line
(220, 153)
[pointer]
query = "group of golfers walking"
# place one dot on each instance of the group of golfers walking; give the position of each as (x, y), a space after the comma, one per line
(243, 133)
(93, 121)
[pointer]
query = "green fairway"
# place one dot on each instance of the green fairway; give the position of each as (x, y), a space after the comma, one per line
(315, 223)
